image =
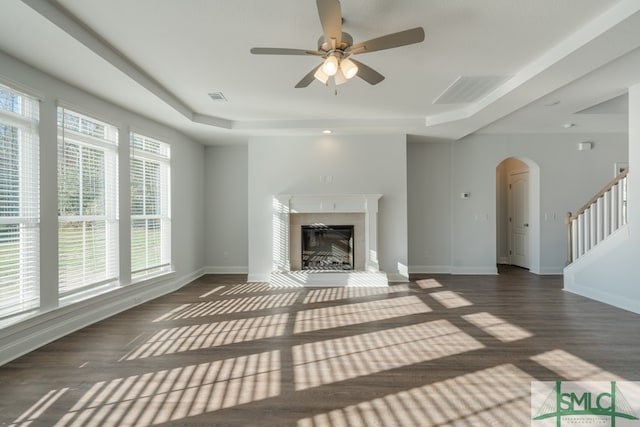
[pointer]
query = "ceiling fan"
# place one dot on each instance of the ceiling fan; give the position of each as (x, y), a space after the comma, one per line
(336, 47)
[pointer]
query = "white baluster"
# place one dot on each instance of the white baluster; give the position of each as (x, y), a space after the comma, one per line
(626, 207)
(598, 220)
(592, 226)
(606, 213)
(622, 211)
(581, 239)
(587, 229)
(615, 207)
(574, 240)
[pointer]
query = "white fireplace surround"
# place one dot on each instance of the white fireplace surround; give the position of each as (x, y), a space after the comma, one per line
(286, 204)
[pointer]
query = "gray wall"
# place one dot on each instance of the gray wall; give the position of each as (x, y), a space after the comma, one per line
(429, 205)
(445, 232)
(226, 214)
(567, 179)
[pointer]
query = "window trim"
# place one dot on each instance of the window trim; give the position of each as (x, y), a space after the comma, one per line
(110, 217)
(26, 292)
(164, 217)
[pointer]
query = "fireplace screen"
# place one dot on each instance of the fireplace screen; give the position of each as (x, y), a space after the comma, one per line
(327, 247)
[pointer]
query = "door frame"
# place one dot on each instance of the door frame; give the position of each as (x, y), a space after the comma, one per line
(534, 213)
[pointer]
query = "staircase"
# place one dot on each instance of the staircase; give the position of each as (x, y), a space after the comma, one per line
(605, 213)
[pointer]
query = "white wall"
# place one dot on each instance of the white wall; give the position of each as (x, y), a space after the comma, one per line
(609, 273)
(187, 187)
(358, 164)
(226, 213)
(567, 179)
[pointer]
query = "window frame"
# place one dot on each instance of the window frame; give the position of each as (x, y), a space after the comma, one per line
(26, 295)
(162, 158)
(68, 286)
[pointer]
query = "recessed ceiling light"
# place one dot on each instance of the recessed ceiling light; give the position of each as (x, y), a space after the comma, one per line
(568, 125)
(327, 131)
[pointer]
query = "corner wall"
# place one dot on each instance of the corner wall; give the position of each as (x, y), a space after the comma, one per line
(226, 213)
(429, 206)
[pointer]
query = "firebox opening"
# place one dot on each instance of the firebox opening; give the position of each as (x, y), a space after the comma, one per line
(327, 247)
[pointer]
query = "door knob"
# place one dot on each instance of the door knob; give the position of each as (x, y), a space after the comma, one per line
(526, 224)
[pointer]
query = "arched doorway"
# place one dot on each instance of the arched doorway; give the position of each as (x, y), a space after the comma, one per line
(517, 213)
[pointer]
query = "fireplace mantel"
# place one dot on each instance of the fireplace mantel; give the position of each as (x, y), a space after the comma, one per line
(286, 204)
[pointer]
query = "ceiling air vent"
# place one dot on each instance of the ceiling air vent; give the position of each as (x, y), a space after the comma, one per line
(217, 96)
(466, 89)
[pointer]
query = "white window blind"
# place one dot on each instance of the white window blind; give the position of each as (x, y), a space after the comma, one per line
(87, 202)
(19, 203)
(150, 206)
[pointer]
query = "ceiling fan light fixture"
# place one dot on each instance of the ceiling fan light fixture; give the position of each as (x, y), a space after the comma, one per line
(330, 66)
(321, 76)
(348, 68)
(335, 46)
(340, 78)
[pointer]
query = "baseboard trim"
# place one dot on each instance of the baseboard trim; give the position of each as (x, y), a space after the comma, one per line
(430, 269)
(226, 270)
(32, 333)
(550, 271)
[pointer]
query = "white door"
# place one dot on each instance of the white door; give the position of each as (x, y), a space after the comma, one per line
(519, 218)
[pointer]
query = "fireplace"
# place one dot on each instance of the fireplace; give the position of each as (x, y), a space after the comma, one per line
(327, 247)
(357, 211)
(326, 219)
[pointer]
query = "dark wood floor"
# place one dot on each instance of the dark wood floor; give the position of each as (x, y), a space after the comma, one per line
(441, 350)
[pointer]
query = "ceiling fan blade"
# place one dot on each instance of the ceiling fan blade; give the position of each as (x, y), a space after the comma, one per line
(367, 73)
(283, 51)
(401, 38)
(331, 20)
(306, 80)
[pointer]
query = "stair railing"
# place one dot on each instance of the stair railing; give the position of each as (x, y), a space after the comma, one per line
(603, 214)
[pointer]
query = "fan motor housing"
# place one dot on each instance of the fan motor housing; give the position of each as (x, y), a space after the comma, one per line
(325, 45)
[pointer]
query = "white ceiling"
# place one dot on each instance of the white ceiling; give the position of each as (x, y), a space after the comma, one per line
(162, 57)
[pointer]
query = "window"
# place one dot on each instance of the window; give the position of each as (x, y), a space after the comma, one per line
(150, 216)
(87, 202)
(19, 203)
